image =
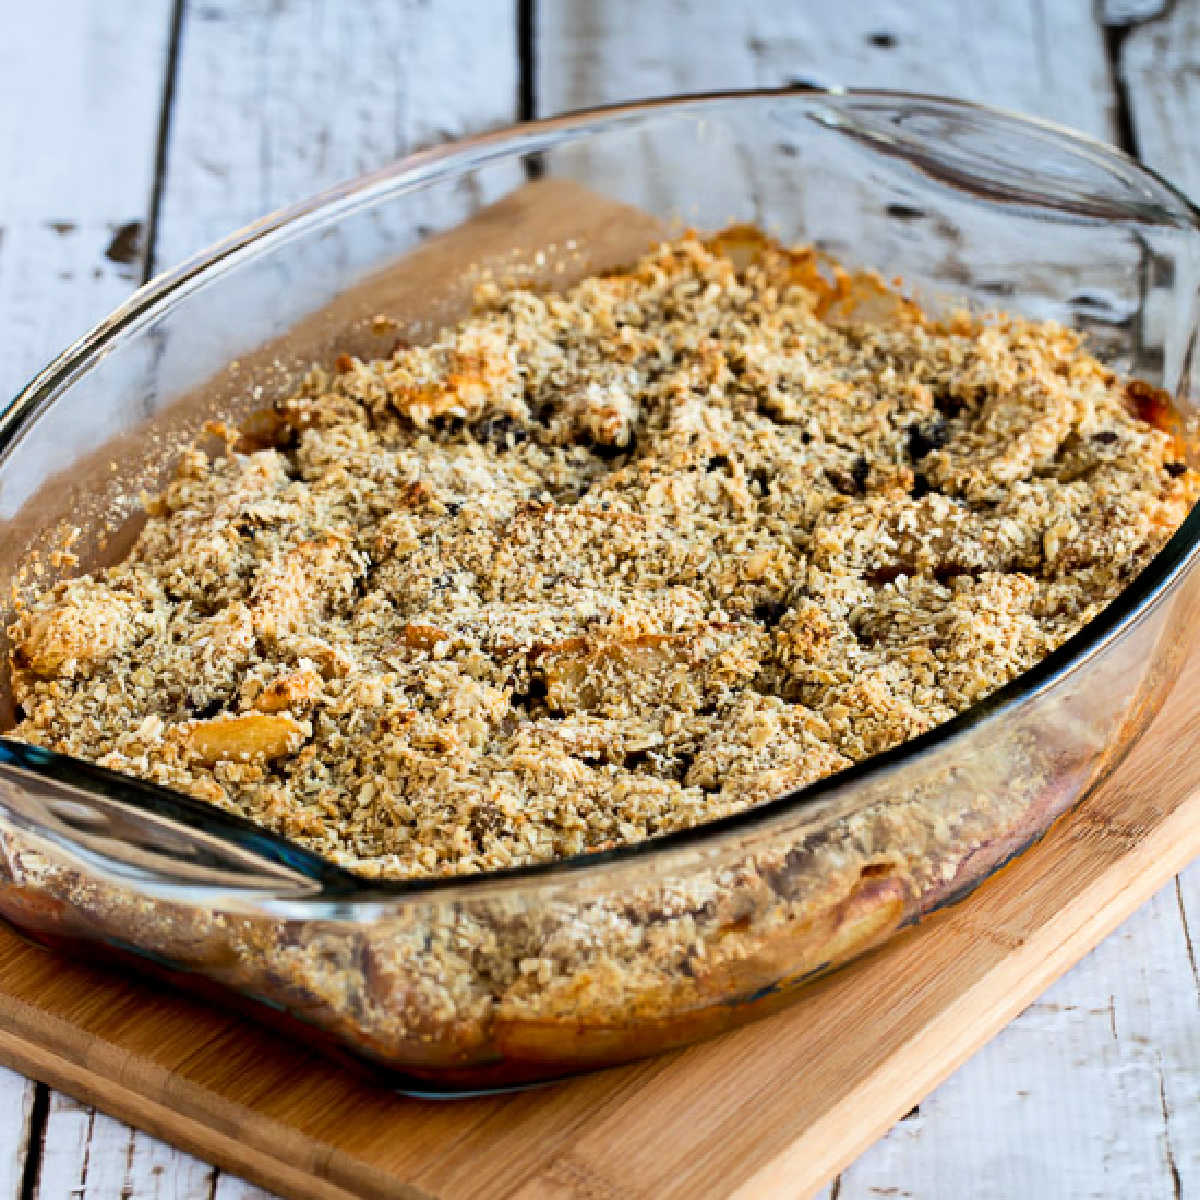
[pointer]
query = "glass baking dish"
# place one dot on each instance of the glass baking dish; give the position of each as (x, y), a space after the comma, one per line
(502, 979)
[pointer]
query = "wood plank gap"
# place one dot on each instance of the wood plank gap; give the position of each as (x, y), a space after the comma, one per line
(1116, 25)
(1189, 945)
(35, 1147)
(1168, 1147)
(527, 97)
(87, 1152)
(526, 60)
(1114, 40)
(163, 137)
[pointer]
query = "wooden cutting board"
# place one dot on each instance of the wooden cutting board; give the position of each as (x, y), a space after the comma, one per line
(774, 1109)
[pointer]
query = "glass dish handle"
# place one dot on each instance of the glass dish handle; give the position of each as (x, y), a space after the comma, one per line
(167, 845)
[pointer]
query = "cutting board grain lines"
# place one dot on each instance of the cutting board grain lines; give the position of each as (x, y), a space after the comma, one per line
(774, 1109)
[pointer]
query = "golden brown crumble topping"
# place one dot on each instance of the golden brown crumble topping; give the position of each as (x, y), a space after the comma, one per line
(597, 566)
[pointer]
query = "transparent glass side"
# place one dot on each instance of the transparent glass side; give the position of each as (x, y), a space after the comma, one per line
(499, 981)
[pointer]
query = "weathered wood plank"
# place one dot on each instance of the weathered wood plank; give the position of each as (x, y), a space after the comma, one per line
(1160, 66)
(274, 102)
(16, 1099)
(79, 90)
(89, 1156)
(1046, 59)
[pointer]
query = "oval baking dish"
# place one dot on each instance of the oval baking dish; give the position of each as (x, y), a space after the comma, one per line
(514, 976)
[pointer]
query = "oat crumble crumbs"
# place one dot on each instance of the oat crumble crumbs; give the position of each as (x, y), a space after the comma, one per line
(596, 566)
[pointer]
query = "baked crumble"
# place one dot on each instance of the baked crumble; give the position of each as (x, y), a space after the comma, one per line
(597, 566)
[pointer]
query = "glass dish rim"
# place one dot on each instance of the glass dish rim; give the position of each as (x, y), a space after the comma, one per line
(528, 138)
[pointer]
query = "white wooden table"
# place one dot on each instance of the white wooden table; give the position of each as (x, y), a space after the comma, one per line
(133, 132)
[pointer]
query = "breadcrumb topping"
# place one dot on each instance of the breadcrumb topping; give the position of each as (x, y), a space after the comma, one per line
(593, 567)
